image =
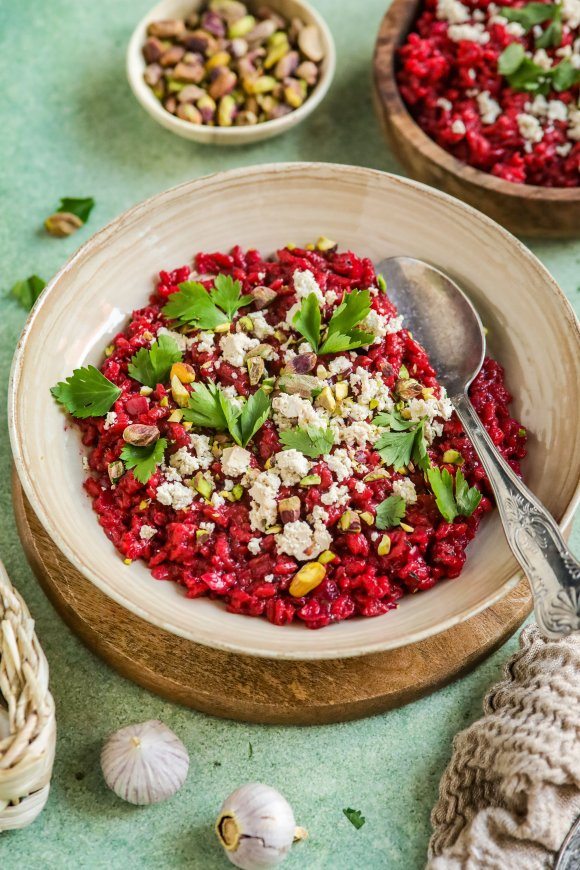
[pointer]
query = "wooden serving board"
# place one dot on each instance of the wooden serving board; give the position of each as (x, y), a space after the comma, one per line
(252, 689)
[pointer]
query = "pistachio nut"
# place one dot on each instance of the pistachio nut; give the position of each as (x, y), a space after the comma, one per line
(246, 118)
(308, 72)
(230, 10)
(190, 73)
(326, 557)
(300, 364)
(289, 509)
(310, 43)
(140, 435)
(223, 81)
(349, 522)
(453, 457)
(287, 65)
(261, 350)
(188, 112)
(294, 93)
(306, 579)
(241, 27)
(326, 400)
(202, 485)
(152, 50)
(384, 547)
(341, 391)
(115, 470)
(256, 368)
(183, 371)
(172, 56)
(408, 388)
(311, 480)
(171, 28)
(260, 32)
(298, 385)
(152, 74)
(62, 224)
(262, 296)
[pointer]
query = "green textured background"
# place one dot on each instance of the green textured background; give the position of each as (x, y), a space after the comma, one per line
(70, 127)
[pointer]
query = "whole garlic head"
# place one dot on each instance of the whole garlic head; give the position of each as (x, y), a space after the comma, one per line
(144, 763)
(256, 827)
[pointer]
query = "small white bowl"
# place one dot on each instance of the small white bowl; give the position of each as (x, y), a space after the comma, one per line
(532, 332)
(168, 9)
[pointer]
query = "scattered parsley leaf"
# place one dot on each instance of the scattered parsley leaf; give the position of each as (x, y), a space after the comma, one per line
(307, 321)
(152, 367)
(393, 420)
(564, 76)
(530, 14)
(442, 486)
(396, 448)
(82, 208)
(466, 498)
(205, 408)
(510, 58)
(420, 456)
(227, 295)
(192, 305)
(211, 408)
(144, 460)
(250, 750)
(552, 35)
(355, 817)
(341, 334)
(27, 291)
(311, 441)
(390, 512)
(252, 417)
(87, 393)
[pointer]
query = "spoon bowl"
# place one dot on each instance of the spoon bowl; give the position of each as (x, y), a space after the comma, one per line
(448, 326)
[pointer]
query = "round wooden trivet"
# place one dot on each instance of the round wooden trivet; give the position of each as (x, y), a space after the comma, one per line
(251, 689)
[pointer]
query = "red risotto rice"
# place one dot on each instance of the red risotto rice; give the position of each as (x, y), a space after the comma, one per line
(318, 499)
(523, 124)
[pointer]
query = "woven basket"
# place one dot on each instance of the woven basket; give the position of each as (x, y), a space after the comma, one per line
(27, 720)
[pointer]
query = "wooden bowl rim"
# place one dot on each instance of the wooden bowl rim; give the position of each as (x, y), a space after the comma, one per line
(393, 29)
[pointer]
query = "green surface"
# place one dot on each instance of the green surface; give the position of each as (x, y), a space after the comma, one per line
(70, 127)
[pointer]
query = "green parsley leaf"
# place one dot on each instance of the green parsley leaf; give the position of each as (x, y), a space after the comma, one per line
(530, 14)
(81, 207)
(144, 460)
(564, 76)
(396, 448)
(420, 456)
(205, 408)
(250, 750)
(227, 295)
(442, 486)
(552, 35)
(355, 817)
(192, 305)
(253, 416)
(27, 292)
(312, 441)
(87, 393)
(393, 420)
(381, 283)
(211, 408)
(511, 58)
(307, 321)
(152, 367)
(341, 334)
(390, 512)
(467, 497)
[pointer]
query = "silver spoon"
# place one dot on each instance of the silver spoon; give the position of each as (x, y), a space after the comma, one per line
(445, 322)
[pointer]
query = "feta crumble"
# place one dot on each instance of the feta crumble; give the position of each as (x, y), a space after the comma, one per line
(147, 532)
(406, 489)
(264, 507)
(300, 540)
(305, 283)
(174, 494)
(235, 461)
(235, 346)
(292, 466)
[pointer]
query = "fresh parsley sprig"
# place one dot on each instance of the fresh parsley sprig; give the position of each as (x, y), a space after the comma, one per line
(390, 512)
(340, 333)
(144, 460)
(81, 207)
(523, 74)
(210, 408)
(530, 14)
(86, 393)
(193, 305)
(462, 503)
(311, 441)
(152, 366)
(397, 448)
(27, 291)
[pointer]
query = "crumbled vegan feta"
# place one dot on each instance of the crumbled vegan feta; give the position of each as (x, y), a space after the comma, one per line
(235, 346)
(300, 540)
(179, 339)
(339, 365)
(235, 461)
(406, 489)
(289, 408)
(452, 11)
(185, 464)
(292, 466)
(359, 433)
(489, 109)
(571, 13)
(260, 326)
(339, 463)
(205, 342)
(573, 131)
(264, 509)
(305, 283)
(147, 532)
(447, 105)
(174, 494)
(200, 444)
(529, 127)
(375, 323)
(335, 495)
(468, 33)
(458, 127)
(110, 419)
(254, 546)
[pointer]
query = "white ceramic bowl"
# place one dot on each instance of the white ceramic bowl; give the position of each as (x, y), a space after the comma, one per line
(227, 135)
(532, 331)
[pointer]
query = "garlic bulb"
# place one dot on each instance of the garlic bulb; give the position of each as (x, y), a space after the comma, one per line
(144, 763)
(256, 827)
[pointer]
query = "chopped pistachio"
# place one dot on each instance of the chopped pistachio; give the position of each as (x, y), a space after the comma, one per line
(341, 391)
(453, 457)
(307, 578)
(384, 547)
(311, 480)
(326, 557)
(367, 517)
(202, 485)
(407, 528)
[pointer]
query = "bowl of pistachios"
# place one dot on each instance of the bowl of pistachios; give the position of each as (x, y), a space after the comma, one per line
(229, 72)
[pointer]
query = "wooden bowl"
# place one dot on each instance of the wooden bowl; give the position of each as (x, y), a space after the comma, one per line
(227, 135)
(532, 331)
(524, 209)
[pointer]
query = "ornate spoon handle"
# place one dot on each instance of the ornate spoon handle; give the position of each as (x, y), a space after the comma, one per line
(532, 533)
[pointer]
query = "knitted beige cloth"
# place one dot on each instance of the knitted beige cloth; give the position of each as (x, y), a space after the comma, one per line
(511, 791)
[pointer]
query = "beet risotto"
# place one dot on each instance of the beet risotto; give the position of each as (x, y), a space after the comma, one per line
(498, 86)
(267, 432)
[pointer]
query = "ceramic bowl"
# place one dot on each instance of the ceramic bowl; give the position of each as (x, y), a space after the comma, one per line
(532, 331)
(526, 209)
(227, 135)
